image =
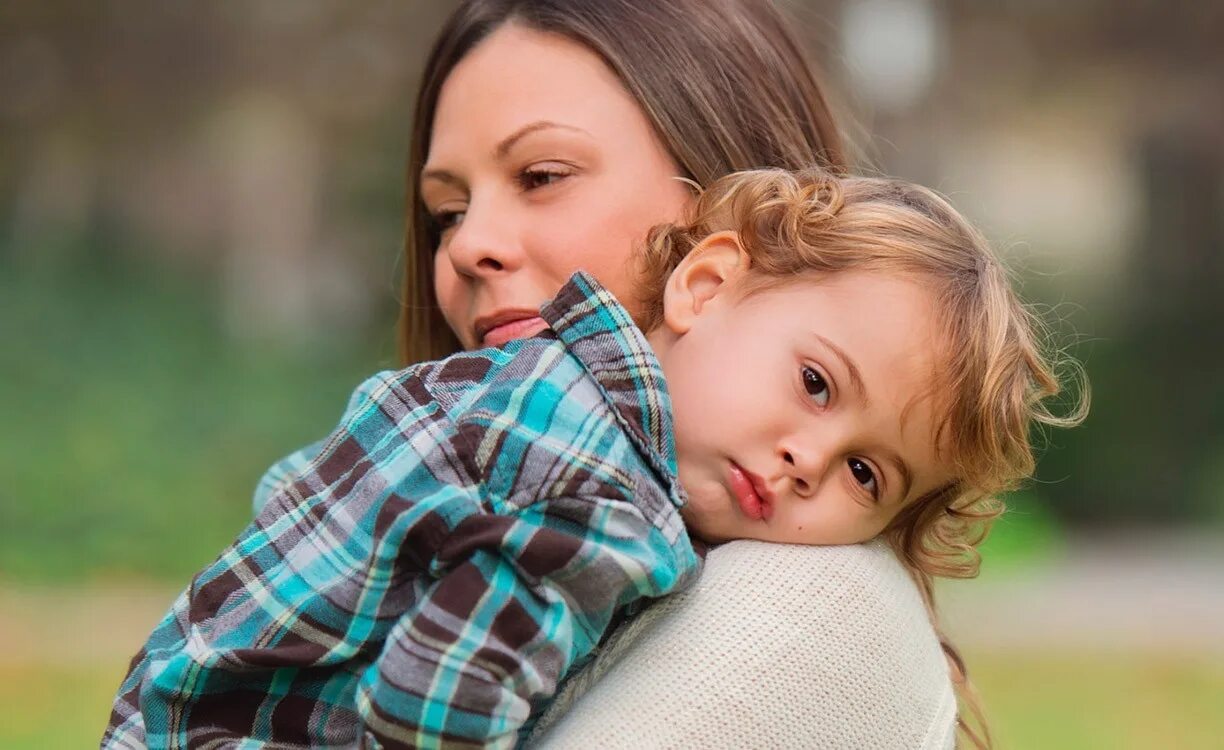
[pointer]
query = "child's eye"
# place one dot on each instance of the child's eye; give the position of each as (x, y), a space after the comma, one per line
(537, 177)
(864, 476)
(814, 383)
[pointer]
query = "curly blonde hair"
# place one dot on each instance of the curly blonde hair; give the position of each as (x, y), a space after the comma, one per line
(998, 374)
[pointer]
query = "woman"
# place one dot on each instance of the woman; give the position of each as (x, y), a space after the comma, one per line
(550, 135)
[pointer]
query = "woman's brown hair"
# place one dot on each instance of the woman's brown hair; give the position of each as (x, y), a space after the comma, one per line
(997, 373)
(724, 83)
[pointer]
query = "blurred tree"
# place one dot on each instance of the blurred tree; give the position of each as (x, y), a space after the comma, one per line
(1152, 449)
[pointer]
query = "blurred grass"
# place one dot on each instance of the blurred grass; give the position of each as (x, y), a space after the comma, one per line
(1049, 700)
(55, 707)
(1052, 700)
(135, 429)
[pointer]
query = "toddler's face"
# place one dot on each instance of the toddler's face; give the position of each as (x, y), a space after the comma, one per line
(802, 414)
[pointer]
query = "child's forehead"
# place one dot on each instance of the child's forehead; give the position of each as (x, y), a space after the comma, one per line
(869, 284)
(866, 308)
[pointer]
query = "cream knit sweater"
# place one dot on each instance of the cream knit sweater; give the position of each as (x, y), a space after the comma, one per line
(775, 646)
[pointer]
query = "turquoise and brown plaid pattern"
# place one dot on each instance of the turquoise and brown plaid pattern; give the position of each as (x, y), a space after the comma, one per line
(426, 579)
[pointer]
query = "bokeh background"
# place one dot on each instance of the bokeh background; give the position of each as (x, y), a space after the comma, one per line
(200, 218)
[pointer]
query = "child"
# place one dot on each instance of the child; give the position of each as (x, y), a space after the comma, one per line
(828, 360)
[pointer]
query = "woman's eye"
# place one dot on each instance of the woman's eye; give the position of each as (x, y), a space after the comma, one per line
(530, 179)
(444, 220)
(814, 383)
(864, 476)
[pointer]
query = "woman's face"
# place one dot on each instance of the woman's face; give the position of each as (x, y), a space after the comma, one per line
(540, 164)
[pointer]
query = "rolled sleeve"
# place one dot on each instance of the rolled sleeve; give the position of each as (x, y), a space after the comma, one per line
(519, 600)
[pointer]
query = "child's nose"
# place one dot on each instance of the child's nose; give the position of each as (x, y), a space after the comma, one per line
(805, 467)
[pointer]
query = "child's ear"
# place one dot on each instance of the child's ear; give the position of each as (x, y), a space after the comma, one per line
(706, 272)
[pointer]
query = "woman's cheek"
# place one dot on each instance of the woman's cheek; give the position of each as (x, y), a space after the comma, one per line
(451, 296)
(568, 239)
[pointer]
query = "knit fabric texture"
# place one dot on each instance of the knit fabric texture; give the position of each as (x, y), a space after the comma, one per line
(776, 646)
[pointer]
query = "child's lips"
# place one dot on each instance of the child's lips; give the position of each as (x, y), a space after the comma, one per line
(750, 493)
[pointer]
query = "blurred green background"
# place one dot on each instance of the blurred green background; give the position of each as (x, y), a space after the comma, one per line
(200, 217)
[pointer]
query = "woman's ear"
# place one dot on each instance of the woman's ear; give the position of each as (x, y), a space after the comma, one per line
(707, 272)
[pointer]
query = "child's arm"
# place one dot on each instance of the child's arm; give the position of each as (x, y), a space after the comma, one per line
(520, 599)
(286, 469)
(281, 473)
(343, 610)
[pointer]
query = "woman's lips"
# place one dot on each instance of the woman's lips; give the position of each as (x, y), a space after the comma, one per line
(514, 329)
(744, 486)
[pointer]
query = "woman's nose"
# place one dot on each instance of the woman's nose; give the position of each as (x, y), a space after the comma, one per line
(483, 243)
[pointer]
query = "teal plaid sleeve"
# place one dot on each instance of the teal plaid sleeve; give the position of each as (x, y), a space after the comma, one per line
(428, 577)
(522, 599)
(281, 473)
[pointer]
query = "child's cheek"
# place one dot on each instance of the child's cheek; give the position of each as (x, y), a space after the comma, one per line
(706, 514)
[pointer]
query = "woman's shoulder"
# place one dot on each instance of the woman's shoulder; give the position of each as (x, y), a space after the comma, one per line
(844, 601)
(775, 645)
(849, 580)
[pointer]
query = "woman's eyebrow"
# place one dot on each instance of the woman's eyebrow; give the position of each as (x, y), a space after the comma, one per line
(444, 176)
(501, 150)
(507, 143)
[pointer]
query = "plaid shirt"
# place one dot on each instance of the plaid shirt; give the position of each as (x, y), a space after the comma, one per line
(459, 544)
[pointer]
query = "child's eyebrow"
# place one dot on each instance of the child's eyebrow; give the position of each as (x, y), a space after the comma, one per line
(856, 378)
(907, 476)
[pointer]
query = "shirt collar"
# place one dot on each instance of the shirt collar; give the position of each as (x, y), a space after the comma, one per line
(600, 333)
